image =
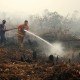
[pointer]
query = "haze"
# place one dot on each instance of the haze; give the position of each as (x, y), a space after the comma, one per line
(63, 7)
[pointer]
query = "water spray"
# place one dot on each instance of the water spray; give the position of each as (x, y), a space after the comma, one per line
(39, 37)
(52, 47)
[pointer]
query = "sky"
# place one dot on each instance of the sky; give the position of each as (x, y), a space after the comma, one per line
(24, 7)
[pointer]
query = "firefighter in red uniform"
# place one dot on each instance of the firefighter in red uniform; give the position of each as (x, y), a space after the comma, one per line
(21, 32)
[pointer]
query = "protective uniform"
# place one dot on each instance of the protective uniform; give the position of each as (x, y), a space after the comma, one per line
(2, 33)
(21, 33)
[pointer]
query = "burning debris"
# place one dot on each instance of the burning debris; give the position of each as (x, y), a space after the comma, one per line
(51, 58)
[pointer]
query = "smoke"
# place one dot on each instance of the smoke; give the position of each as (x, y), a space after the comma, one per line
(51, 26)
(57, 49)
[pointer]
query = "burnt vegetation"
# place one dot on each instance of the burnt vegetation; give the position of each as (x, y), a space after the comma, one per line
(28, 63)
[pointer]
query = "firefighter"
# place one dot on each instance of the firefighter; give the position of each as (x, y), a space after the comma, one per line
(21, 32)
(2, 32)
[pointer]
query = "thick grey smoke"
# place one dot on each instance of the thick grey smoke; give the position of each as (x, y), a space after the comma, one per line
(51, 26)
(49, 22)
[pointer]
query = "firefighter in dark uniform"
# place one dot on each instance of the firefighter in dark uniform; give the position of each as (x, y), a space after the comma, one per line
(2, 32)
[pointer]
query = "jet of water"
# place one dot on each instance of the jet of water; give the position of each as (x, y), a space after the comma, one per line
(39, 38)
(51, 46)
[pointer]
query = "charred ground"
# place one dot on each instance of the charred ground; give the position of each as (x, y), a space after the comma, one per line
(18, 64)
